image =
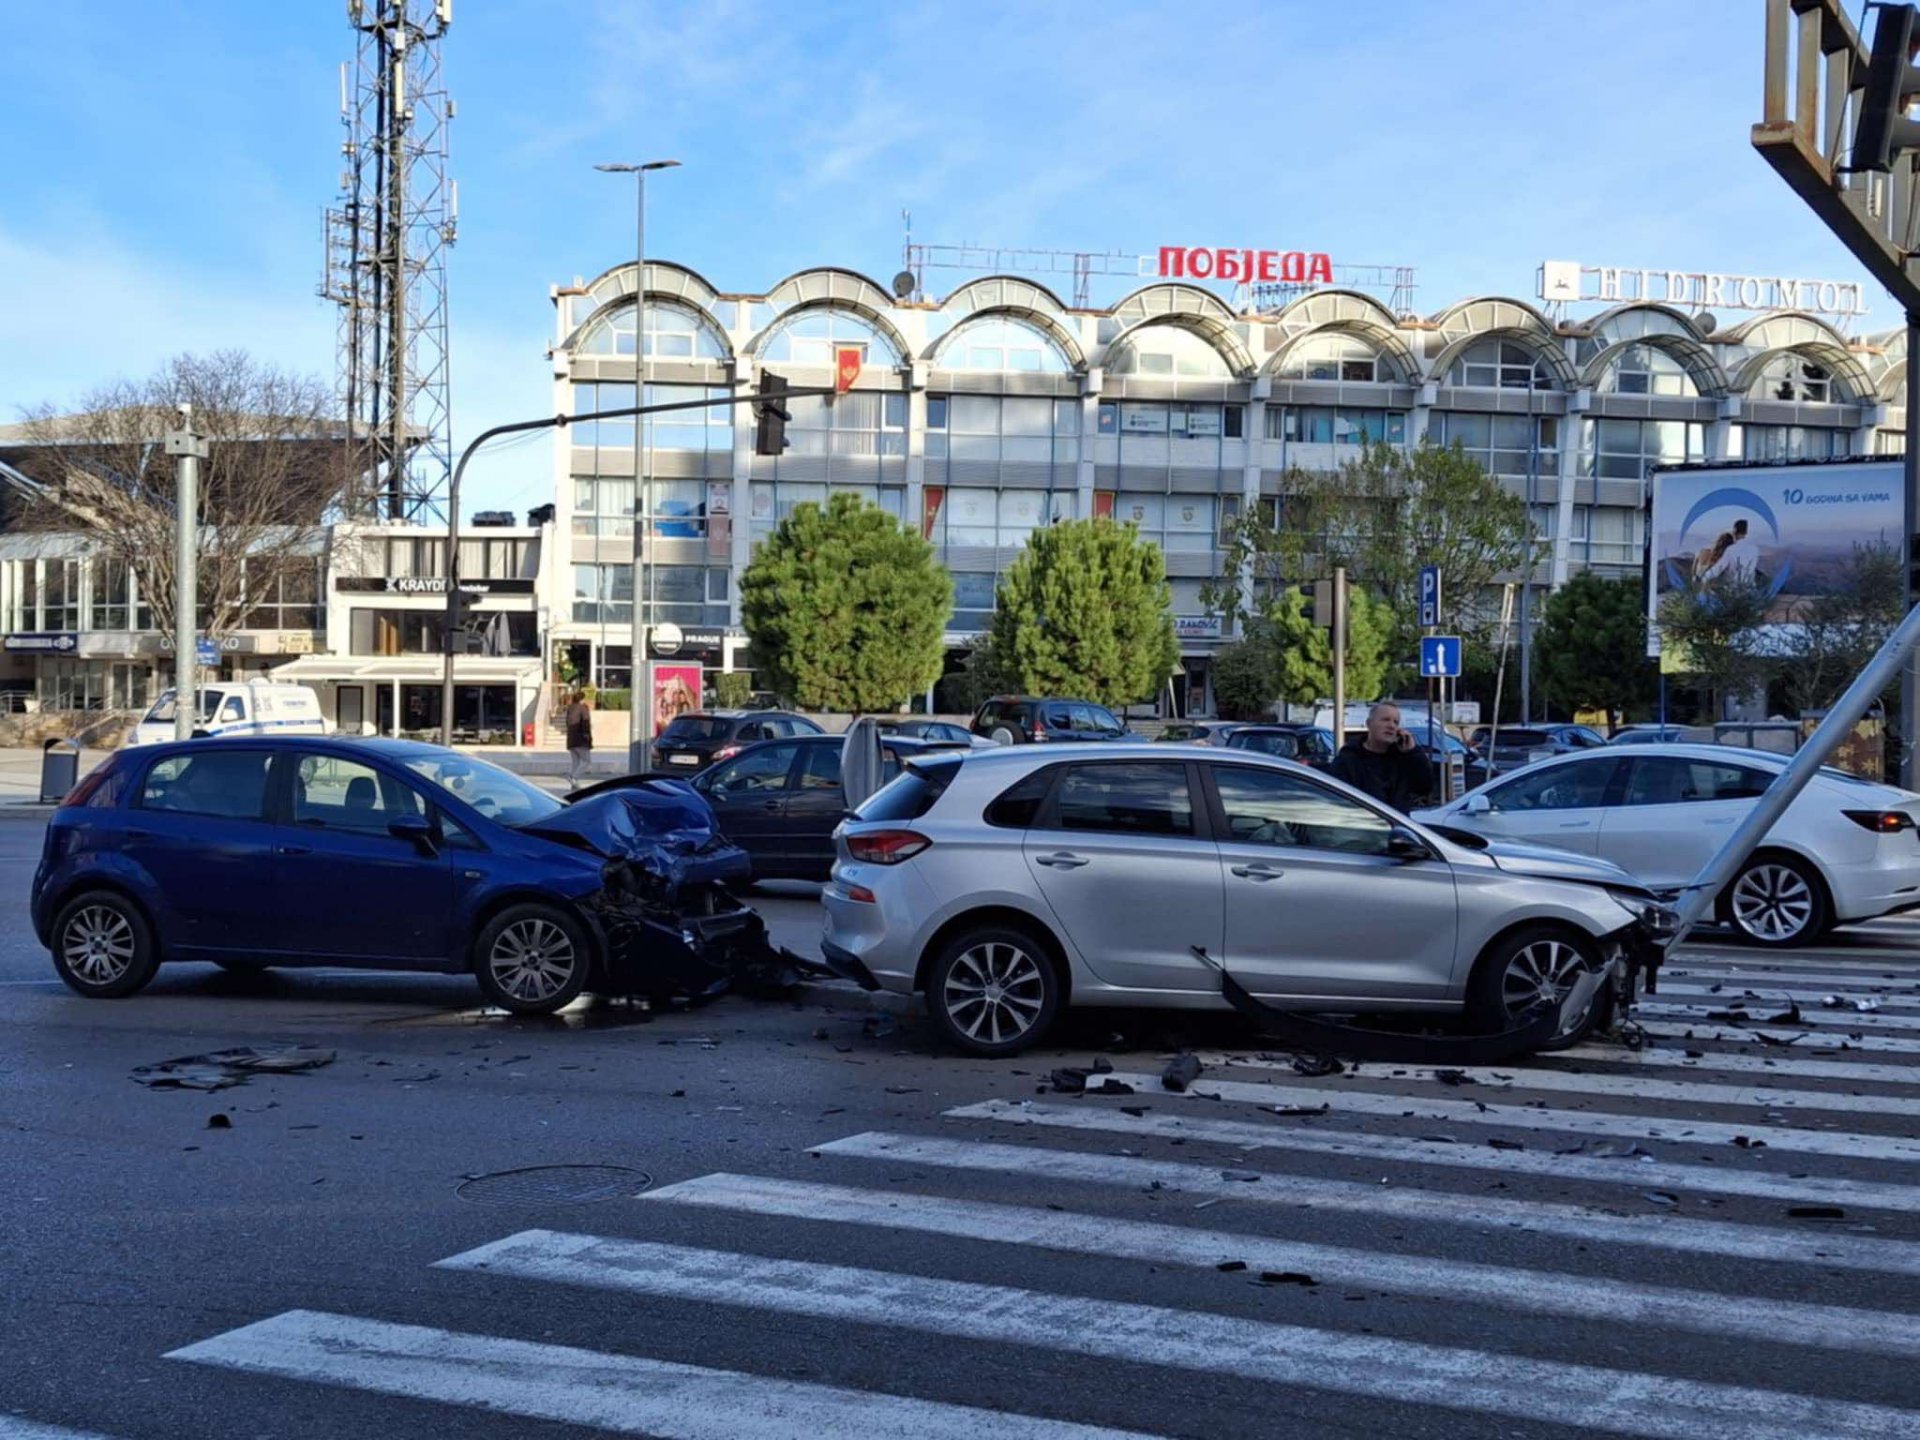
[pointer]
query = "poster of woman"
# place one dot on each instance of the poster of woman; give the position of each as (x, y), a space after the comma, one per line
(676, 692)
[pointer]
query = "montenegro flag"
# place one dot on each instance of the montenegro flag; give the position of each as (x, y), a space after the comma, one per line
(846, 368)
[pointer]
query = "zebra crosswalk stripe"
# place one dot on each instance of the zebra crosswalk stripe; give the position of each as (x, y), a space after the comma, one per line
(16, 1427)
(1798, 1041)
(1534, 1077)
(1513, 1386)
(1780, 1322)
(1525, 1117)
(623, 1393)
(1786, 1068)
(1403, 1202)
(1810, 1019)
(1406, 1149)
(1808, 997)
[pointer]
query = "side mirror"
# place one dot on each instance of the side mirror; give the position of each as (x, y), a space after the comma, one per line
(1403, 844)
(417, 828)
(1476, 804)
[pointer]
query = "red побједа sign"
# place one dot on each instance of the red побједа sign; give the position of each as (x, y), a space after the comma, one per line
(1255, 267)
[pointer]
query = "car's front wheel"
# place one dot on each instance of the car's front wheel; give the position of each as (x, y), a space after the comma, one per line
(1540, 963)
(993, 991)
(102, 945)
(1778, 901)
(532, 959)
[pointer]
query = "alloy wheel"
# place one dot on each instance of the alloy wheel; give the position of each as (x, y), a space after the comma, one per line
(532, 960)
(994, 992)
(1772, 902)
(1543, 970)
(99, 945)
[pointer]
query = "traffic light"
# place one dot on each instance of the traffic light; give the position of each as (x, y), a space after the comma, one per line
(771, 415)
(1892, 85)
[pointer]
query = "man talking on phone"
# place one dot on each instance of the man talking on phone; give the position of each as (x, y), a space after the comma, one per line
(1385, 761)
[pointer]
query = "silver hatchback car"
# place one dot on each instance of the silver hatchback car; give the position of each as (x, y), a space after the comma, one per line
(1009, 884)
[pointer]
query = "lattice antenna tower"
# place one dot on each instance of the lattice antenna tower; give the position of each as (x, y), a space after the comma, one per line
(386, 257)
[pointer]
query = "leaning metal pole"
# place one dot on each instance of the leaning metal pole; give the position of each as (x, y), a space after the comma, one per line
(1910, 473)
(1893, 656)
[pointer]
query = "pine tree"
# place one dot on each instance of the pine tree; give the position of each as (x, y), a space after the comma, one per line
(846, 608)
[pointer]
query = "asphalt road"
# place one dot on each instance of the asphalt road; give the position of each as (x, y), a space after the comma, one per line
(804, 1220)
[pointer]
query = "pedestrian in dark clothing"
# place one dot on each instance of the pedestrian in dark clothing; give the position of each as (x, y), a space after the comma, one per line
(579, 739)
(1385, 762)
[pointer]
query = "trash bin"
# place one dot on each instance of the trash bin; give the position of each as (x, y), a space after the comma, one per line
(59, 770)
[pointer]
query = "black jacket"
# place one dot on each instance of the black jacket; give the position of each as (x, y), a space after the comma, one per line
(1401, 778)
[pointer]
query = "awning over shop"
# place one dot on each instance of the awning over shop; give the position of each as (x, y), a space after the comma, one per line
(409, 669)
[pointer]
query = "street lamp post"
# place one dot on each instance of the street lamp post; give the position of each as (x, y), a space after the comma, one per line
(640, 727)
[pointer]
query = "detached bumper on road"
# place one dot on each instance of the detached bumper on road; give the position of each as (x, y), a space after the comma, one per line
(848, 966)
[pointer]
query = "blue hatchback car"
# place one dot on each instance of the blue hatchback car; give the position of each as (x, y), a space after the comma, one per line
(250, 853)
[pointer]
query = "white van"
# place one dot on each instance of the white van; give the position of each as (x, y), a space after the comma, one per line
(239, 707)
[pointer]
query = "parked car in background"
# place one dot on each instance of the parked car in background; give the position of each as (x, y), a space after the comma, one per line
(779, 800)
(1648, 735)
(385, 854)
(695, 740)
(1514, 746)
(237, 707)
(1308, 744)
(1197, 732)
(1028, 720)
(920, 727)
(1009, 885)
(1845, 850)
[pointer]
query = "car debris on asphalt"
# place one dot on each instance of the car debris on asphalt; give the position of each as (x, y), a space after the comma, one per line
(220, 1069)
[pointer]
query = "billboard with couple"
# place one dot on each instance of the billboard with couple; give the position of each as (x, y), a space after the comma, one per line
(1790, 529)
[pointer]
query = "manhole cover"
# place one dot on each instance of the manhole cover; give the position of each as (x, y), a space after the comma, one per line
(554, 1185)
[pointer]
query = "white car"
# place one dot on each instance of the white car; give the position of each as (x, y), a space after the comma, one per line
(1847, 849)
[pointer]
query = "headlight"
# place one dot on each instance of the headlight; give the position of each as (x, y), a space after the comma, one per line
(1662, 922)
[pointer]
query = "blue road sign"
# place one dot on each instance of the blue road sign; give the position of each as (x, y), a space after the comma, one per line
(1429, 596)
(206, 652)
(1439, 657)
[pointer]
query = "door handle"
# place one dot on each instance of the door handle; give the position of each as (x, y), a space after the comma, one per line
(1061, 860)
(1576, 824)
(769, 804)
(293, 849)
(140, 834)
(1259, 870)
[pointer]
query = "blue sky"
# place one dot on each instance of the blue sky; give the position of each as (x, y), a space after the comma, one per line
(168, 162)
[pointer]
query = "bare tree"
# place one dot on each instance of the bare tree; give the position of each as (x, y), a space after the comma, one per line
(280, 466)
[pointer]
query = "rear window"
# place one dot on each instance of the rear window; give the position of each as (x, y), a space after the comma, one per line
(1523, 737)
(912, 793)
(695, 727)
(230, 784)
(1017, 807)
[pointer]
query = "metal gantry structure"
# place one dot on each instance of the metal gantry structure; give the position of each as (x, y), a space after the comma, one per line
(386, 258)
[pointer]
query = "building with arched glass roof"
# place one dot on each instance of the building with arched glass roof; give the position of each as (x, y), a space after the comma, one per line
(998, 409)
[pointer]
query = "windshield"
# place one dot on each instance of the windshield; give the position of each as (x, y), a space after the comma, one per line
(497, 794)
(696, 727)
(162, 711)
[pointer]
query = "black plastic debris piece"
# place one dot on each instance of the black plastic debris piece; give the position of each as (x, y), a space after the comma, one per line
(1313, 1066)
(1816, 1212)
(1662, 1198)
(219, 1121)
(903, 1089)
(1110, 1086)
(1248, 1176)
(1448, 1076)
(1229, 1266)
(1788, 1016)
(1698, 1054)
(1290, 1110)
(878, 1027)
(1830, 1002)
(1501, 1143)
(1068, 1080)
(1135, 1110)
(1181, 1072)
(221, 1068)
(1747, 1142)
(1287, 1277)
(1732, 1017)
(1766, 1039)
(1101, 1065)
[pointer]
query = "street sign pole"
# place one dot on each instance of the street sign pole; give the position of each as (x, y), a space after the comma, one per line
(186, 446)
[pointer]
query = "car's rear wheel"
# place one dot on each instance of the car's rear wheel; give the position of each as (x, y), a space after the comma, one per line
(993, 991)
(1535, 964)
(532, 959)
(102, 945)
(1778, 901)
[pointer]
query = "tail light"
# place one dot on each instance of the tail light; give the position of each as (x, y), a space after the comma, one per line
(1039, 730)
(886, 847)
(725, 752)
(1881, 822)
